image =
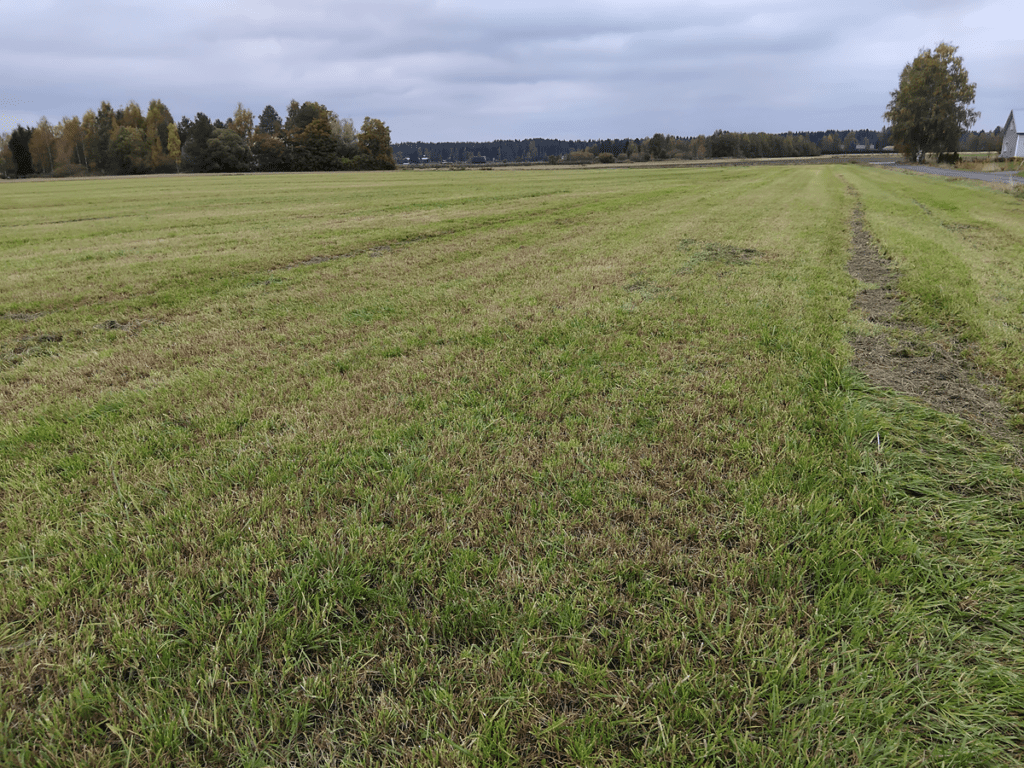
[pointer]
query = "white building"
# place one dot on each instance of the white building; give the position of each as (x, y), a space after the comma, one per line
(1013, 142)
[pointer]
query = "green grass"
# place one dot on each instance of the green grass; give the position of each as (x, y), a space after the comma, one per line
(562, 467)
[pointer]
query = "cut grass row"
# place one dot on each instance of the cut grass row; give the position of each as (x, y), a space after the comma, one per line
(561, 467)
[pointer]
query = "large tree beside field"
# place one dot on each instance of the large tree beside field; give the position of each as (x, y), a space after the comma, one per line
(930, 110)
(375, 144)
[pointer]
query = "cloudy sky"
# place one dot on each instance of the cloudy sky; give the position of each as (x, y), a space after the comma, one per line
(477, 70)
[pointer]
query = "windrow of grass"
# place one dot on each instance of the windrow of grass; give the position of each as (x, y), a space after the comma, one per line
(507, 468)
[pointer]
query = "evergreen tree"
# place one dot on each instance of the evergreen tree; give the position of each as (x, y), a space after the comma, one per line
(105, 125)
(270, 121)
(18, 144)
(195, 154)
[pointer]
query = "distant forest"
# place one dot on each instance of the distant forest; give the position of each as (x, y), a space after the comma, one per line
(127, 141)
(310, 137)
(720, 144)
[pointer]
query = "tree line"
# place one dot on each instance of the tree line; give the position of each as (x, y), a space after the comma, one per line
(720, 144)
(310, 137)
(657, 147)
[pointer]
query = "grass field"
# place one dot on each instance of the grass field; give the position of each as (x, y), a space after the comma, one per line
(525, 467)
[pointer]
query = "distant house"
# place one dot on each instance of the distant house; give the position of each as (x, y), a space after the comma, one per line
(1013, 142)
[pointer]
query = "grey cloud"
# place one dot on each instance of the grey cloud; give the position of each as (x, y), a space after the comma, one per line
(470, 69)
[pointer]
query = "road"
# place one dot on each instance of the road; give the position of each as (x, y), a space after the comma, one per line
(997, 177)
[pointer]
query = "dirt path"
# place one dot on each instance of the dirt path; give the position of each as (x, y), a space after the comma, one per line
(913, 360)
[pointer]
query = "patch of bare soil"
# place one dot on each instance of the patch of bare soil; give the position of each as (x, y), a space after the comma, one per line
(373, 253)
(908, 358)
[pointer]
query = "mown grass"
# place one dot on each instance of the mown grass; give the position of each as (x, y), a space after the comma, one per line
(961, 255)
(509, 468)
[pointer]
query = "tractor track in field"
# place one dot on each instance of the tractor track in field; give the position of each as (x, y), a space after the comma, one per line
(900, 355)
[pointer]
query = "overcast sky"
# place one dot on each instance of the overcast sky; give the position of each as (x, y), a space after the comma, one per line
(478, 70)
